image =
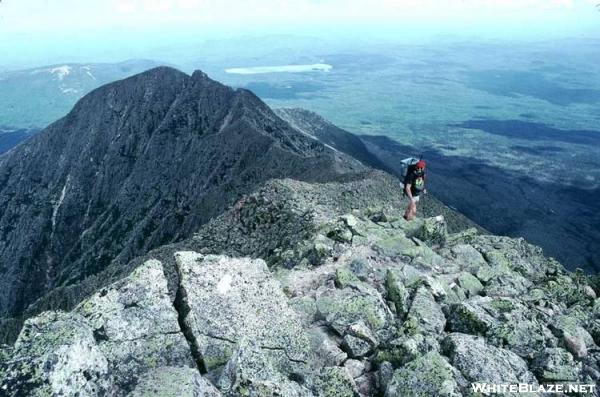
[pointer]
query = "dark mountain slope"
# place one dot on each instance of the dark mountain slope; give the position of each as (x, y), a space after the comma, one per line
(137, 164)
(312, 124)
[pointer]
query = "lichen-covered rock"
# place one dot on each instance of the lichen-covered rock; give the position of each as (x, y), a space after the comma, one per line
(341, 308)
(500, 280)
(407, 348)
(391, 243)
(106, 343)
(575, 338)
(174, 382)
(56, 354)
(335, 382)
(344, 277)
(251, 371)
(397, 292)
(234, 299)
(519, 331)
(556, 365)
(426, 313)
(470, 283)
(432, 230)
(356, 347)
(305, 307)
(468, 257)
(469, 317)
(429, 375)
(480, 362)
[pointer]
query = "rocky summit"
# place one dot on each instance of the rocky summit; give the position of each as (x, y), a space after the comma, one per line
(318, 289)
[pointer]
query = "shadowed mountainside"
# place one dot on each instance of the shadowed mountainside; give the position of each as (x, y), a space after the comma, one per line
(136, 164)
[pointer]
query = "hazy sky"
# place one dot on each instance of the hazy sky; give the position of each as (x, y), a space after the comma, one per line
(44, 26)
(72, 15)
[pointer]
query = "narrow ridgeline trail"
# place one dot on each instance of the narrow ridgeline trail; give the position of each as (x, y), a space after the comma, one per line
(318, 289)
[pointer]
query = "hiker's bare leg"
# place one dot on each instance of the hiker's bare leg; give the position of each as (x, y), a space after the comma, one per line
(411, 211)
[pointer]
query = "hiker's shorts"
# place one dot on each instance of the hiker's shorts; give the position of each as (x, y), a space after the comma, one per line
(415, 198)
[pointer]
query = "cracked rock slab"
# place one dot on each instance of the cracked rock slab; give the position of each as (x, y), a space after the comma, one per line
(135, 325)
(233, 299)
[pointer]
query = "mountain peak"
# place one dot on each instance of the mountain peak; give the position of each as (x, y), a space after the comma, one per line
(200, 75)
(159, 73)
(137, 163)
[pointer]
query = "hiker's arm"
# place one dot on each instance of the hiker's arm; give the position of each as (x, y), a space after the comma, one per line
(407, 191)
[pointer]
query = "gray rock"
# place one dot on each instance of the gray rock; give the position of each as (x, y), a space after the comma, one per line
(107, 343)
(305, 307)
(429, 375)
(355, 367)
(576, 339)
(350, 220)
(408, 347)
(397, 292)
(252, 372)
(366, 384)
(230, 300)
(329, 353)
(470, 283)
(468, 257)
(360, 330)
(480, 362)
(136, 326)
(342, 308)
(575, 345)
(56, 354)
(344, 277)
(336, 382)
(469, 317)
(518, 330)
(174, 382)
(556, 365)
(385, 374)
(356, 347)
(426, 313)
(589, 292)
(433, 231)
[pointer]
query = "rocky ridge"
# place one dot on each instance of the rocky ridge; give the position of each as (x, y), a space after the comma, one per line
(318, 289)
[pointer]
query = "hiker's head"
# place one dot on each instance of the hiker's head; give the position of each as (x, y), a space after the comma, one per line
(420, 166)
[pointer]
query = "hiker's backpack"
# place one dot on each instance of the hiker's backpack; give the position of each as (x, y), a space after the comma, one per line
(406, 166)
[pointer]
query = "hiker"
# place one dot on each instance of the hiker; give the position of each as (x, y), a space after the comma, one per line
(414, 185)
